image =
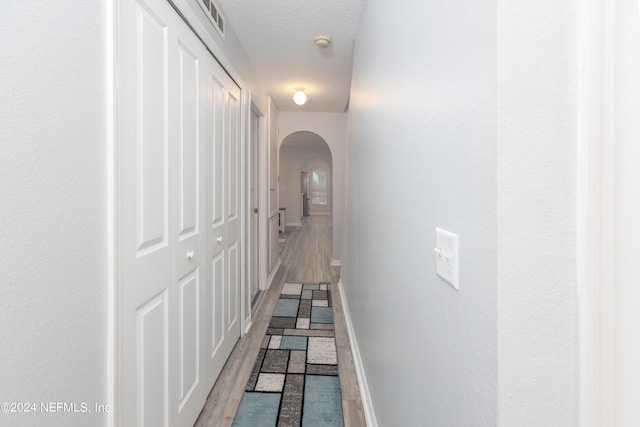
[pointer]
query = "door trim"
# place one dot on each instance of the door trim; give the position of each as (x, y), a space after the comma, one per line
(595, 212)
(251, 174)
(245, 311)
(113, 253)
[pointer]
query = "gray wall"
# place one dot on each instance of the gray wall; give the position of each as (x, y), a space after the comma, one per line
(463, 116)
(53, 219)
(421, 155)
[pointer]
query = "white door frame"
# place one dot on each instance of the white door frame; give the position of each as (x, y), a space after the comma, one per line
(112, 64)
(251, 175)
(595, 212)
(263, 199)
(245, 313)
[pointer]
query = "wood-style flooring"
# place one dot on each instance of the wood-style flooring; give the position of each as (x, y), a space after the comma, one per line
(306, 257)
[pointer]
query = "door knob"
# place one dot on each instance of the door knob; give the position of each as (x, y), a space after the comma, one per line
(219, 239)
(190, 254)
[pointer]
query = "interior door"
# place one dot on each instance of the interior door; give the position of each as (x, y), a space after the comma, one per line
(224, 221)
(190, 62)
(253, 274)
(146, 222)
(178, 238)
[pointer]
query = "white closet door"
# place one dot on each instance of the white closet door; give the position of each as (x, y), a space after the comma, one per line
(224, 220)
(178, 189)
(146, 244)
(190, 62)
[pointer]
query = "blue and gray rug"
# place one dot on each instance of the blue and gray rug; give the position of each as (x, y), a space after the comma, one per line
(295, 378)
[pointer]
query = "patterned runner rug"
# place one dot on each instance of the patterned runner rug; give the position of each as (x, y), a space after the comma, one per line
(295, 378)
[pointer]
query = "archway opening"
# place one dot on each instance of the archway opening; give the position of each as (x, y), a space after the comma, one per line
(306, 176)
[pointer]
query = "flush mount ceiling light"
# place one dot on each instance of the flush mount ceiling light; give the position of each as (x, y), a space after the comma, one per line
(322, 42)
(299, 97)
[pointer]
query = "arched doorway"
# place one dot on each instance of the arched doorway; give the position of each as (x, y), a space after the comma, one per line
(305, 153)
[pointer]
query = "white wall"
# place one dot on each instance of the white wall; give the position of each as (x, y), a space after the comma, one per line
(293, 160)
(537, 291)
(421, 155)
(627, 208)
(332, 128)
(53, 214)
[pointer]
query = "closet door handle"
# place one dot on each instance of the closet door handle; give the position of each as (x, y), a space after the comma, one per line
(219, 239)
(190, 255)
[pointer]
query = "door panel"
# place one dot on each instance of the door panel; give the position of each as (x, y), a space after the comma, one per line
(217, 229)
(215, 290)
(216, 148)
(151, 137)
(224, 231)
(232, 147)
(232, 288)
(233, 210)
(145, 228)
(189, 183)
(189, 116)
(189, 339)
(151, 329)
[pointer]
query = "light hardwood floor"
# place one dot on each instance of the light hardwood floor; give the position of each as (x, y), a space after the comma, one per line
(306, 257)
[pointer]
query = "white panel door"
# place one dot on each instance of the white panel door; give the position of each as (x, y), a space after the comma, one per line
(190, 61)
(253, 212)
(224, 220)
(179, 218)
(146, 226)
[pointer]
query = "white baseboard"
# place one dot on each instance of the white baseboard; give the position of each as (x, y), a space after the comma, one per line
(246, 330)
(335, 263)
(367, 404)
(273, 273)
(294, 224)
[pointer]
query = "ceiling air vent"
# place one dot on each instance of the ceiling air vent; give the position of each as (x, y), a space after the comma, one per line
(213, 13)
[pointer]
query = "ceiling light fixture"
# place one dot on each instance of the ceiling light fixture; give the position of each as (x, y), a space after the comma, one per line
(299, 97)
(322, 42)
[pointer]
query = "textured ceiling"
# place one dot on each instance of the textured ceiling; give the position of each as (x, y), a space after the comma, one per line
(278, 36)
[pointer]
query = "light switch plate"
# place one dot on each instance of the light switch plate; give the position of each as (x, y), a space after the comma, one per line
(447, 256)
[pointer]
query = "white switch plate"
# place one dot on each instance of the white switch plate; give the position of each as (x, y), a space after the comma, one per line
(447, 256)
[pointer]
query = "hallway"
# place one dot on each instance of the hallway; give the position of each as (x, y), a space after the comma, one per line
(305, 258)
(142, 150)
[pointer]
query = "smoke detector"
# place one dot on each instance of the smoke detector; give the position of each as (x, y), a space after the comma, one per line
(322, 42)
